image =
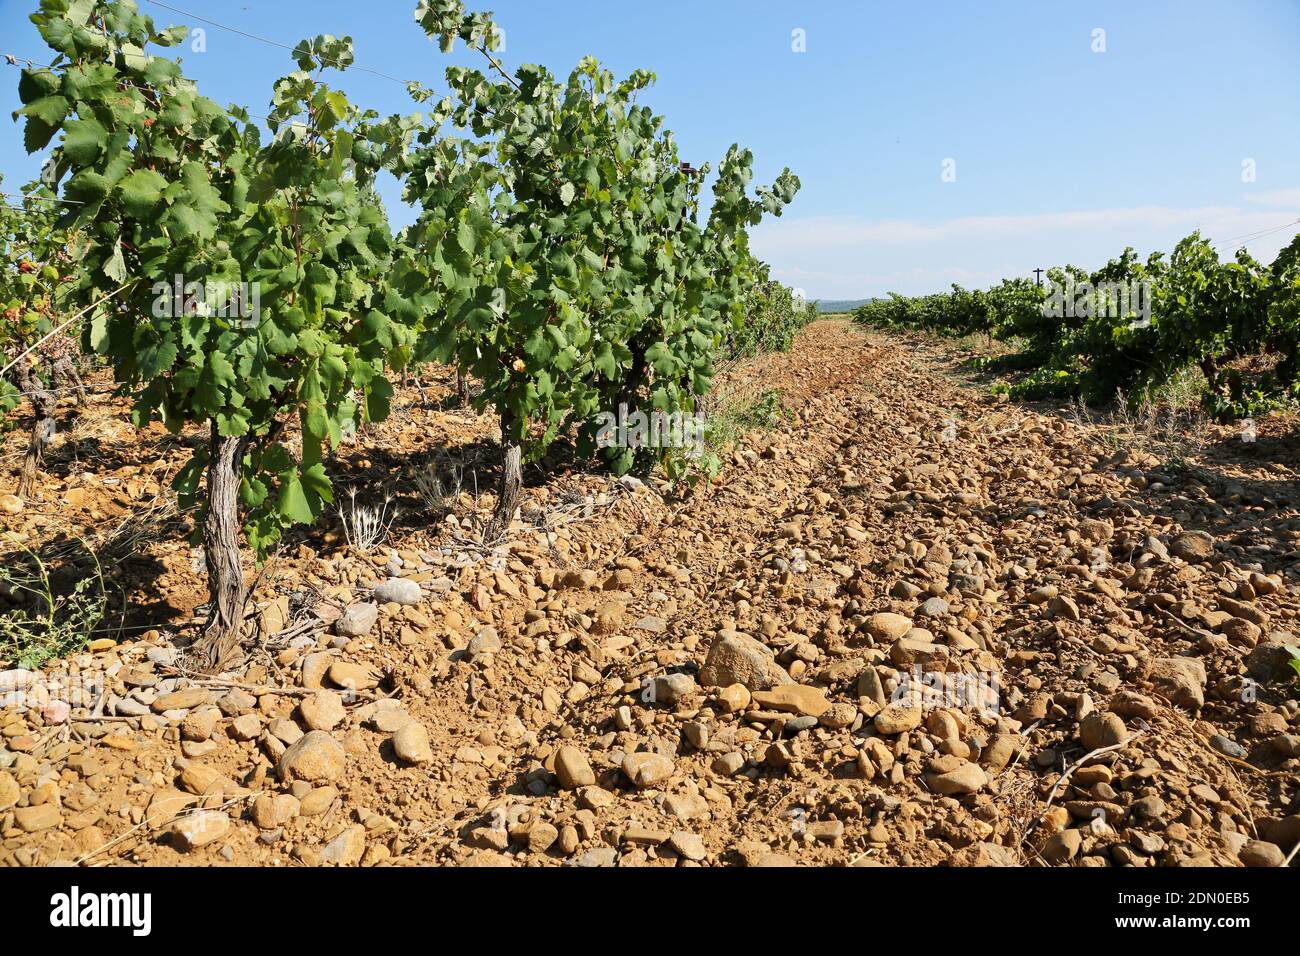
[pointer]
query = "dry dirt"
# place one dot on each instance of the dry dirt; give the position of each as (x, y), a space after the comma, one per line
(908, 625)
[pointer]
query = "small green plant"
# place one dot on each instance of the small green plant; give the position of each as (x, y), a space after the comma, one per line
(50, 625)
(735, 418)
(1295, 659)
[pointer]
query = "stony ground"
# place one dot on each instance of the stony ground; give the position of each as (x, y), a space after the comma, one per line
(908, 625)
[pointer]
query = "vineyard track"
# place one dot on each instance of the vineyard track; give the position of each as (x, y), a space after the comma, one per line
(884, 472)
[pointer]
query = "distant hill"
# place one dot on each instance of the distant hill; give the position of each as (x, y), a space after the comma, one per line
(840, 305)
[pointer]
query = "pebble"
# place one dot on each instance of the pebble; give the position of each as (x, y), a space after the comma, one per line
(1228, 747)
(323, 710)
(180, 700)
(735, 658)
(398, 591)
(965, 778)
(1260, 853)
(647, 769)
(934, 607)
(572, 769)
(794, 699)
(352, 676)
(688, 845)
(887, 627)
(316, 757)
(734, 698)
(485, 641)
(411, 744)
(345, 849)
(357, 621)
(197, 829)
(671, 688)
(9, 791)
(898, 717)
(1102, 729)
(41, 817)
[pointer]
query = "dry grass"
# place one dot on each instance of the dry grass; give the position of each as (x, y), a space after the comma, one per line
(366, 527)
(1170, 424)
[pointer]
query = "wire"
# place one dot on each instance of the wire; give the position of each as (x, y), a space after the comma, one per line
(14, 59)
(275, 43)
(1253, 236)
(74, 202)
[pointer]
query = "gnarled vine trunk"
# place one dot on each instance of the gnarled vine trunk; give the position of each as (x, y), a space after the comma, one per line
(44, 405)
(511, 488)
(66, 377)
(1210, 369)
(218, 647)
(462, 388)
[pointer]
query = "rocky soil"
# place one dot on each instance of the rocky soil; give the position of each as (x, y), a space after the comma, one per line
(909, 625)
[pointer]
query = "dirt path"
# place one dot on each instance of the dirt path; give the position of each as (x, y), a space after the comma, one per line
(722, 679)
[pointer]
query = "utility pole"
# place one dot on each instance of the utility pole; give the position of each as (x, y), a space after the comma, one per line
(1038, 277)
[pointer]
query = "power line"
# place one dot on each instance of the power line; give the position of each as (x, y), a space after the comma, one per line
(1259, 234)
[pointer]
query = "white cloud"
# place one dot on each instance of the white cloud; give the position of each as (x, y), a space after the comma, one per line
(841, 257)
(1282, 198)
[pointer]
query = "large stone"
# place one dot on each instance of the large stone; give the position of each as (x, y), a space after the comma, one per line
(887, 626)
(40, 817)
(573, 769)
(323, 710)
(1271, 661)
(411, 744)
(346, 849)
(739, 659)
(398, 591)
(794, 699)
(1180, 679)
(965, 778)
(198, 829)
(647, 769)
(1192, 546)
(1102, 729)
(316, 757)
(898, 717)
(357, 620)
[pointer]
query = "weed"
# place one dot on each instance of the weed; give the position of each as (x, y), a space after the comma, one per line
(366, 527)
(46, 625)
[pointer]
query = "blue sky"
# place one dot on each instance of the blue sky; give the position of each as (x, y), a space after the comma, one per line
(1060, 152)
